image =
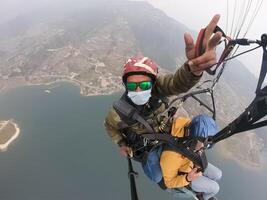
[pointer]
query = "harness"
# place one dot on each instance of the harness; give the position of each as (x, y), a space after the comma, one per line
(131, 115)
(143, 143)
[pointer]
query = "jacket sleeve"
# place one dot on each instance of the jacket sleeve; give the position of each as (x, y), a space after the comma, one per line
(111, 124)
(170, 165)
(179, 82)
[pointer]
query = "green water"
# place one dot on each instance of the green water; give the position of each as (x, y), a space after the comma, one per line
(63, 152)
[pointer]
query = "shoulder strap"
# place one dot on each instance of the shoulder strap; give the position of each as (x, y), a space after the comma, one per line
(129, 112)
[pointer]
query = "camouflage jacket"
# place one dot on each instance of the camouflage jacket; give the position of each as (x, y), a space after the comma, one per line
(166, 85)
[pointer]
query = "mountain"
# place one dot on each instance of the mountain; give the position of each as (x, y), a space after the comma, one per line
(82, 42)
(88, 42)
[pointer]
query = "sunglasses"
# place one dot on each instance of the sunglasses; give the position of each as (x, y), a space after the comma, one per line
(144, 85)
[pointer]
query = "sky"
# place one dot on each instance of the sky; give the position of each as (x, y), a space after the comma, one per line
(193, 13)
(197, 13)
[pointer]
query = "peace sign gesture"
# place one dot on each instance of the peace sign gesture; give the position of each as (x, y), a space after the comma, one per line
(199, 64)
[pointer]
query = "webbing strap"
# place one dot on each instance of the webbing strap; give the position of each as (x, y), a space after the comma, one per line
(263, 71)
(130, 112)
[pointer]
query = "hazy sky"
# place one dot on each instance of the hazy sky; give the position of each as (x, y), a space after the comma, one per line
(197, 13)
(193, 13)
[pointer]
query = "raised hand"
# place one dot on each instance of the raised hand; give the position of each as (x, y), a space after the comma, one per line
(210, 41)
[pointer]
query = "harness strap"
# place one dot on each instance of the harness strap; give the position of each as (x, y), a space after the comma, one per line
(182, 146)
(127, 110)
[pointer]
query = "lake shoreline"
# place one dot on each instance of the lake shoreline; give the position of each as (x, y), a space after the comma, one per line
(226, 154)
(81, 86)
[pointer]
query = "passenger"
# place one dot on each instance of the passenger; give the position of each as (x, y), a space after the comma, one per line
(178, 171)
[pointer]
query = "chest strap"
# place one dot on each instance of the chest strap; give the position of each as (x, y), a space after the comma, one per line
(123, 108)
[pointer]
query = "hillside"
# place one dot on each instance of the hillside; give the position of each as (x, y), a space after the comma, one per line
(87, 44)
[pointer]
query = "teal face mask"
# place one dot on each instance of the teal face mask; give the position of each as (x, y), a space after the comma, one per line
(139, 98)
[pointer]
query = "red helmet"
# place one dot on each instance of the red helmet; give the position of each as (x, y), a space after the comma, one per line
(139, 65)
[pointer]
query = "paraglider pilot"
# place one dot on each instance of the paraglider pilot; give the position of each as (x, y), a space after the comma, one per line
(145, 90)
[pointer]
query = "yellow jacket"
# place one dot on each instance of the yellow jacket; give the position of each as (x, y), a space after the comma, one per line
(175, 166)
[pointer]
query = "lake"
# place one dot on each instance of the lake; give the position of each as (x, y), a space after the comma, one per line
(63, 152)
